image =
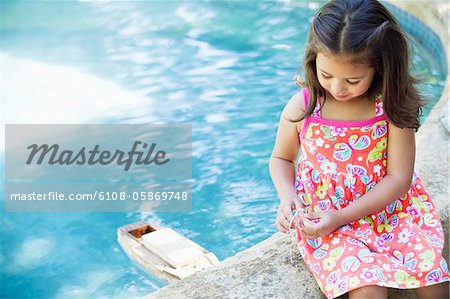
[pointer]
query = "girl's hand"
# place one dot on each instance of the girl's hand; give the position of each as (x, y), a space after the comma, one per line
(284, 214)
(319, 224)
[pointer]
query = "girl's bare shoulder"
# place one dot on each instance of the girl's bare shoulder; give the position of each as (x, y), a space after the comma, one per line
(294, 108)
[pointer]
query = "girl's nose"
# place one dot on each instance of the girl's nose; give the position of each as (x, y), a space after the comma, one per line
(338, 88)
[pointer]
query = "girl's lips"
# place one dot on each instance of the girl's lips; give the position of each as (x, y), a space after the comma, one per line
(341, 97)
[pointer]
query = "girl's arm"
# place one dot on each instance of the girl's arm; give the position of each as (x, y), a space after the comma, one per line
(285, 151)
(397, 181)
(283, 158)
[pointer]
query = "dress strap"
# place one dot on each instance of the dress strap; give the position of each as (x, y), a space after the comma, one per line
(316, 112)
(306, 98)
(379, 105)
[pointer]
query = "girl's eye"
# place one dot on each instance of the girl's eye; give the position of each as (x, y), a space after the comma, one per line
(350, 82)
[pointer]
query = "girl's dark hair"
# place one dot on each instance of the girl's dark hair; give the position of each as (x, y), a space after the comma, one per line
(365, 31)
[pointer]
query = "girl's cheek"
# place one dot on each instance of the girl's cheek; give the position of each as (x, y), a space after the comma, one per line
(323, 84)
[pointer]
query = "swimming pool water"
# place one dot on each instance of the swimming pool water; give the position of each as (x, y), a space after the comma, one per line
(226, 67)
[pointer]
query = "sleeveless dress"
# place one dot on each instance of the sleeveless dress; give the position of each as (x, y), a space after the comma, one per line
(399, 246)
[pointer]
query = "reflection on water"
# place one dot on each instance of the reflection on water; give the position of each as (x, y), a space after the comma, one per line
(226, 67)
(41, 93)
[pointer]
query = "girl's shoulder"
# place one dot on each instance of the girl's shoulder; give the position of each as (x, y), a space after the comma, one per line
(295, 108)
(295, 105)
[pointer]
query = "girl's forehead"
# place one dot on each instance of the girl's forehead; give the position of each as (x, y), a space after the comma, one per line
(336, 64)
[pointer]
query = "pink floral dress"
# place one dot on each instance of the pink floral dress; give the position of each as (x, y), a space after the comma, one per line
(399, 246)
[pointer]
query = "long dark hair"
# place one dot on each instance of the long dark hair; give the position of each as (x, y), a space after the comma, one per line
(365, 31)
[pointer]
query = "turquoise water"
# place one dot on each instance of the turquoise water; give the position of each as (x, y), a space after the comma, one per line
(226, 67)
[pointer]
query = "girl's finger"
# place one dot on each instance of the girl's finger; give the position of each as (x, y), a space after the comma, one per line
(296, 205)
(293, 206)
(283, 214)
(296, 221)
(287, 215)
(283, 221)
(303, 219)
(309, 226)
(313, 215)
(280, 227)
(306, 235)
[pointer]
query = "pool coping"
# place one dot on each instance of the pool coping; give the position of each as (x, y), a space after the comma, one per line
(273, 267)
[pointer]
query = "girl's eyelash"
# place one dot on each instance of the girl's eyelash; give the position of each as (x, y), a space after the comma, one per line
(327, 77)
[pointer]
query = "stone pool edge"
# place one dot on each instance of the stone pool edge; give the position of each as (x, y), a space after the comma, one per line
(273, 268)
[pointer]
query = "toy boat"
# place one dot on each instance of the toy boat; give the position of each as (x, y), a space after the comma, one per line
(163, 252)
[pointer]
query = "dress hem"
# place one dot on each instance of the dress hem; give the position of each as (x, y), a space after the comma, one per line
(388, 286)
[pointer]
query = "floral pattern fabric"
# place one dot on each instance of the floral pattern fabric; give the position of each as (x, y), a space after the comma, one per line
(399, 246)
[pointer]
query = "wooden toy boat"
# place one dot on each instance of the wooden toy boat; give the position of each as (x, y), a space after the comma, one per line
(163, 252)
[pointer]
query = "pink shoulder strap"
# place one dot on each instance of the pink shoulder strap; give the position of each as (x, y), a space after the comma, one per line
(305, 92)
(305, 96)
(379, 105)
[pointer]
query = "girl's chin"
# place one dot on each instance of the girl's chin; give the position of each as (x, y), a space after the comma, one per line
(342, 98)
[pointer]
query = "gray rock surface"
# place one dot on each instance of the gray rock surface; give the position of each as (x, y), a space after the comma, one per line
(445, 117)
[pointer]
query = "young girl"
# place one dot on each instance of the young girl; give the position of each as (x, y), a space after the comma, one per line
(364, 220)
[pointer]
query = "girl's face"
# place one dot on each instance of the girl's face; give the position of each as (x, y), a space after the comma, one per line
(342, 79)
